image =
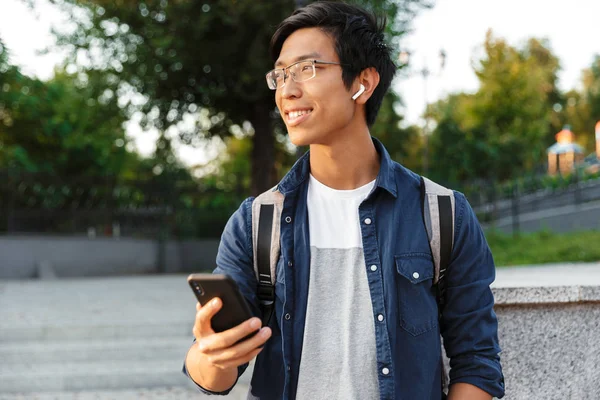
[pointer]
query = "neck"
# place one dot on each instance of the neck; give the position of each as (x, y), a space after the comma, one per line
(348, 162)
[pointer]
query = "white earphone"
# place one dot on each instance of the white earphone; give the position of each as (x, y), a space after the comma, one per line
(360, 91)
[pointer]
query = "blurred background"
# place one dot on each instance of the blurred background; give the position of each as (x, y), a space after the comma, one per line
(131, 130)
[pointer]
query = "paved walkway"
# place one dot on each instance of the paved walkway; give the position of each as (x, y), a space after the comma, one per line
(55, 319)
(170, 393)
(91, 338)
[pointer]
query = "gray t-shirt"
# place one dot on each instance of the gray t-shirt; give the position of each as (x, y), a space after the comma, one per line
(339, 359)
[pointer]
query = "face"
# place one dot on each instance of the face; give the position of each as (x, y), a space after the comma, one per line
(320, 109)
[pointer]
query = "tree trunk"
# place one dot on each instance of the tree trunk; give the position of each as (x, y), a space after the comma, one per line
(263, 150)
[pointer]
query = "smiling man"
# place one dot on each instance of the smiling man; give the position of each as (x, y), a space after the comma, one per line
(355, 310)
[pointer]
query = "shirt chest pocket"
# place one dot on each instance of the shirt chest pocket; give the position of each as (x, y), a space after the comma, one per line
(417, 306)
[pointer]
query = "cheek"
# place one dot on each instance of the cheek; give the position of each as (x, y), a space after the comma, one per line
(337, 106)
(278, 101)
(330, 98)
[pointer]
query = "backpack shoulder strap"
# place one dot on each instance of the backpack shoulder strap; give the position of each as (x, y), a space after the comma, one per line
(266, 223)
(438, 215)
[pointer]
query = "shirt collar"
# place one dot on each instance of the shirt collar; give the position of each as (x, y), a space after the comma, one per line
(299, 173)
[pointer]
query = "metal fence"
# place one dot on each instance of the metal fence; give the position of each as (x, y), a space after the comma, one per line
(107, 206)
(162, 208)
(492, 202)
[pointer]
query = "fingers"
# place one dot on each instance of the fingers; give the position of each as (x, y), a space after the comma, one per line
(204, 314)
(229, 348)
(235, 362)
(240, 353)
(240, 350)
(228, 338)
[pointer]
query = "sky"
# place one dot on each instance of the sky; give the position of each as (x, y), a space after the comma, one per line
(457, 26)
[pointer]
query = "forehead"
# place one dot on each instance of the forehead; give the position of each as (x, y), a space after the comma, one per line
(307, 43)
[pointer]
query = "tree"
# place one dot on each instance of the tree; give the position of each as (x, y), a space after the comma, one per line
(405, 145)
(68, 126)
(591, 81)
(185, 55)
(505, 127)
(454, 151)
(581, 108)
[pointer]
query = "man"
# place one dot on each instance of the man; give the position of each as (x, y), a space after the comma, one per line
(355, 314)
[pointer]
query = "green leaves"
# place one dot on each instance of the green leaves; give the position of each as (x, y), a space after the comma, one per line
(405, 145)
(60, 126)
(211, 55)
(505, 127)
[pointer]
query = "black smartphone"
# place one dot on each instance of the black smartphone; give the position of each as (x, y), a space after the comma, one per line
(235, 309)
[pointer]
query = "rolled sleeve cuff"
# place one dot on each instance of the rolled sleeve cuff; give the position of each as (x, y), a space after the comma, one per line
(484, 373)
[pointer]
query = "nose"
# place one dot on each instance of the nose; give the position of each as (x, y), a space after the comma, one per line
(290, 88)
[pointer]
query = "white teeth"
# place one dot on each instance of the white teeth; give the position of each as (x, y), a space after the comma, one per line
(296, 114)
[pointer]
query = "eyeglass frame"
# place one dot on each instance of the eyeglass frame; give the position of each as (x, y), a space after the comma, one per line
(285, 75)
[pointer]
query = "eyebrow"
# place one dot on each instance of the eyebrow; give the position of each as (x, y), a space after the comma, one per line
(300, 58)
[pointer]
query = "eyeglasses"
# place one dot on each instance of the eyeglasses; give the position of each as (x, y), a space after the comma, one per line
(299, 72)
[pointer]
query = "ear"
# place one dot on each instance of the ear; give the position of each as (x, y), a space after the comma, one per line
(369, 78)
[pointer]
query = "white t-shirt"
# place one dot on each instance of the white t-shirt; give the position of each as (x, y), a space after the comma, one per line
(339, 359)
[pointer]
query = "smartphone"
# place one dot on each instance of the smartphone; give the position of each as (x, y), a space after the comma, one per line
(235, 309)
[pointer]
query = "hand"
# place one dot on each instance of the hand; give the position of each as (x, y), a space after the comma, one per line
(222, 350)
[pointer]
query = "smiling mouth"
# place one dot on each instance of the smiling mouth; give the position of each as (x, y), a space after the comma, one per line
(294, 118)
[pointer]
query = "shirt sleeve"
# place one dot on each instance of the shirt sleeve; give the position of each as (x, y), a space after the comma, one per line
(241, 370)
(469, 325)
(235, 259)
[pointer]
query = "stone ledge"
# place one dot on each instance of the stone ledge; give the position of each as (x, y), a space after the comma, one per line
(547, 284)
(546, 295)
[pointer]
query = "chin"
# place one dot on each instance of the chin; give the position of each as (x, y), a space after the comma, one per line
(299, 138)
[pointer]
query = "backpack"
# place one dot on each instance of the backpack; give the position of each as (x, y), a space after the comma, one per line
(437, 209)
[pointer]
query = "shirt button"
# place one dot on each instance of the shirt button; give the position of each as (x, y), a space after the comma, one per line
(416, 275)
(373, 268)
(385, 371)
(287, 317)
(368, 221)
(380, 317)
(290, 263)
(288, 219)
(289, 368)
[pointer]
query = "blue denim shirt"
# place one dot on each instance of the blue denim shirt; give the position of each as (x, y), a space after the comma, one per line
(395, 241)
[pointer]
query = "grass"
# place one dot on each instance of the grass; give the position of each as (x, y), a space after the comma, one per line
(544, 247)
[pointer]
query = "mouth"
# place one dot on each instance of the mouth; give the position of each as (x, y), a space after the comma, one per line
(296, 117)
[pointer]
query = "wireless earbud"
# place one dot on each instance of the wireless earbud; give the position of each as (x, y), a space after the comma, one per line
(360, 91)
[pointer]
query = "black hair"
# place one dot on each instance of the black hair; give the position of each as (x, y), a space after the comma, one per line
(358, 40)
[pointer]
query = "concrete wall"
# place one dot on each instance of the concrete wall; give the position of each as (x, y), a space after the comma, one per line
(549, 320)
(28, 257)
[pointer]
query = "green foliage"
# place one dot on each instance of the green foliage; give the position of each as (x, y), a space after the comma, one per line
(544, 247)
(187, 55)
(505, 127)
(405, 145)
(591, 81)
(581, 109)
(70, 125)
(63, 147)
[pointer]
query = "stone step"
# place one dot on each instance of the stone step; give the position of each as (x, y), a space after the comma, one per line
(104, 375)
(163, 393)
(140, 349)
(104, 330)
(90, 376)
(104, 308)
